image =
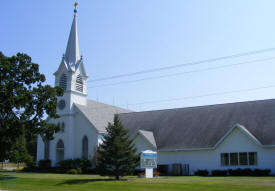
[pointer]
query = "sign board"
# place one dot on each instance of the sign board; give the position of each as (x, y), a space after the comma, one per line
(148, 159)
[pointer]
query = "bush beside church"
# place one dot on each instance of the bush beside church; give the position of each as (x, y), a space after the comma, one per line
(235, 172)
(70, 166)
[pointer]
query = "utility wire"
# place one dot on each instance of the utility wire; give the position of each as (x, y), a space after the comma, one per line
(205, 95)
(182, 73)
(185, 64)
(190, 97)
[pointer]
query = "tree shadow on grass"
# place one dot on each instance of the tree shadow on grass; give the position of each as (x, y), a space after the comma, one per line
(6, 177)
(84, 181)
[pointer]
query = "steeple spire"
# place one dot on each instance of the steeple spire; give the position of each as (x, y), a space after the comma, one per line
(72, 55)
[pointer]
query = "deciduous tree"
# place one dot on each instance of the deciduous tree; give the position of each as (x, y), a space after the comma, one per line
(25, 102)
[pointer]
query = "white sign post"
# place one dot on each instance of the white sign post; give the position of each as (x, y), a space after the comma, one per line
(148, 160)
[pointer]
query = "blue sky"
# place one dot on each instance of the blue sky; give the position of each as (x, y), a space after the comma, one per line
(124, 36)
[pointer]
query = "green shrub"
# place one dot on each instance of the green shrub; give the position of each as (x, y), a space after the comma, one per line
(60, 170)
(72, 171)
(236, 172)
(31, 164)
(201, 172)
(249, 172)
(219, 172)
(67, 164)
(44, 164)
(83, 165)
(79, 171)
(262, 172)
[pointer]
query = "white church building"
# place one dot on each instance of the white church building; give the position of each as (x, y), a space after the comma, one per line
(223, 136)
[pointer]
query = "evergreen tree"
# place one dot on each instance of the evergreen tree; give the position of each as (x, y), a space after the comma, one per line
(116, 155)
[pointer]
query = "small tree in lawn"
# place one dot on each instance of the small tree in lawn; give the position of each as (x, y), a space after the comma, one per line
(116, 155)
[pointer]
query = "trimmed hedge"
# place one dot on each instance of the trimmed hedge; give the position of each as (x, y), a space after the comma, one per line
(70, 166)
(235, 172)
(219, 172)
(83, 164)
(201, 173)
(262, 172)
(249, 172)
(241, 172)
(44, 164)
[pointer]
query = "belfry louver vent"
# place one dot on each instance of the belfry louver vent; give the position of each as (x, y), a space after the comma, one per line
(79, 83)
(63, 81)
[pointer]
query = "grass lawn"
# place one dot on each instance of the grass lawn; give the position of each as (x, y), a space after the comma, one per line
(54, 182)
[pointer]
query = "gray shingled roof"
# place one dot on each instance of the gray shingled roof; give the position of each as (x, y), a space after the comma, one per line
(204, 126)
(99, 114)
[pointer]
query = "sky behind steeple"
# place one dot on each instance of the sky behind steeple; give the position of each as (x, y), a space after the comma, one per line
(125, 36)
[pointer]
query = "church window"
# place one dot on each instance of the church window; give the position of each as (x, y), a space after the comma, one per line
(61, 104)
(46, 149)
(63, 81)
(60, 151)
(79, 83)
(225, 159)
(241, 158)
(233, 159)
(85, 147)
(63, 127)
(252, 158)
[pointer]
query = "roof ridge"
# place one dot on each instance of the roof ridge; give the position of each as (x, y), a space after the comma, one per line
(201, 106)
(107, 105)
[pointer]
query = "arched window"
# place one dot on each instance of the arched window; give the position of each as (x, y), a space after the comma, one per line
(59, 126)
(63, 81)
(60, 151)
(79, 83)
(46, 149)
(63, 127)
(85, 147)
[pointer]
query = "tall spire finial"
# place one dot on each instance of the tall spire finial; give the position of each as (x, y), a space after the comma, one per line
(72, 55)
(75, 8)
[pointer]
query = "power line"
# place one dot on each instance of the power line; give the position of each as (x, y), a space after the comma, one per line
(185, 64)
(205, 95)
(192, 97)
(182, 73)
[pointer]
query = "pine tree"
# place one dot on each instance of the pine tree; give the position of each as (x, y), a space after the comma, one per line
(116, 155)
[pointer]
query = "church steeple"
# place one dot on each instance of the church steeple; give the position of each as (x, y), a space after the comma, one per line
(71, 74)
(72, 55)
